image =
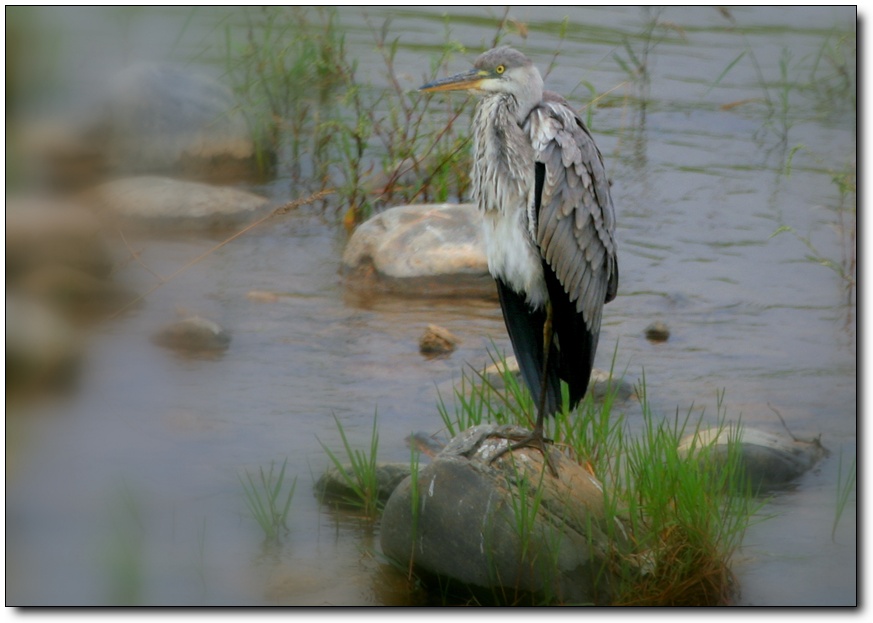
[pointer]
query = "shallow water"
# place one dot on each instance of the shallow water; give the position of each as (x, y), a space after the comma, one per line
(128, 490)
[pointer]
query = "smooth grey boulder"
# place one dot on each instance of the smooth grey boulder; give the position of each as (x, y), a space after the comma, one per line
(491, 527)
(425, 250)
(770, 461)
(162, 203)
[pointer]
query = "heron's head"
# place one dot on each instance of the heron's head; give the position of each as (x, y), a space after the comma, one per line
(500, 70)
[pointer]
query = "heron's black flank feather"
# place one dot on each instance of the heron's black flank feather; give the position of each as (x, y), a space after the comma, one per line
(525, 327)
(576, 345)
(539, 180)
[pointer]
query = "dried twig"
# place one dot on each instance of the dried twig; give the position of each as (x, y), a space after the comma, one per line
(135, 255)
(781, 419)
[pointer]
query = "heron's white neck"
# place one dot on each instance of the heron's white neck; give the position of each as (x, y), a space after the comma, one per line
(503, 183)
(528, 92)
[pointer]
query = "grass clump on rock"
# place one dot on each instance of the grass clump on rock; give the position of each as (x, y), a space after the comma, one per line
(657, 525)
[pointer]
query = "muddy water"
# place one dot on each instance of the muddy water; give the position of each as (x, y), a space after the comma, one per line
(128, 491)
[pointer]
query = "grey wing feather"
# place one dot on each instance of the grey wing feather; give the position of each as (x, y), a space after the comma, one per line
(576, 223)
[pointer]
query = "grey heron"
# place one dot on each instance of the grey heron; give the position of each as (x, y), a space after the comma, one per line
(541, 185)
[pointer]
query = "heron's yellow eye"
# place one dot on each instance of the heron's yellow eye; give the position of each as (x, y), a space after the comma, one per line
(500, 69)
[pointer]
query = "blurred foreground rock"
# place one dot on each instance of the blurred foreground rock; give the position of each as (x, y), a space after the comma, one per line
(75, 293)
(151, 119)
(162, 203)
(43, 351)
(484, 525)
(43, 231)
(55, 154)
(771, 461)
(56, 254)
(425, 250)
(168, 119)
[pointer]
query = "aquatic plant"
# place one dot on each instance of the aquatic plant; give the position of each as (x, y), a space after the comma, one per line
(266, 499)
(833, 76)
(493, 395)
(415, 502)
(124, 549)
(359, 472)
(376, 144)
(846, 226)
(830, 83)
(845, 488)
(832, 91)
(302, 97)
(637, 60)
(283, 49)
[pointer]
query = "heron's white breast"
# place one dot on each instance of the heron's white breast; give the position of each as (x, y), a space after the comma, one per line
(513, 257)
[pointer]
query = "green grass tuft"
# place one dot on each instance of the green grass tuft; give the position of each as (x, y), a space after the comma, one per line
(266, 499)
(359, 473)
(845, 488)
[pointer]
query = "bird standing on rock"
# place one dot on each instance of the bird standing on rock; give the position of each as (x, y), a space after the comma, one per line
(541, 185)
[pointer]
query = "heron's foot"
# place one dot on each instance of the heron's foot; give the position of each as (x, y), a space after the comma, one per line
(534, 439)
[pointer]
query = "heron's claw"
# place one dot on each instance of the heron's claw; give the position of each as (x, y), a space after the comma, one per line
(534, 440)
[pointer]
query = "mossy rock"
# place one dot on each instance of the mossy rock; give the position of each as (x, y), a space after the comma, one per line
(333, 485)
(488, 525)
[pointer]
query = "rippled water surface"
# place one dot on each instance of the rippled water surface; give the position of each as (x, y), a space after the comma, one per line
(129, 489)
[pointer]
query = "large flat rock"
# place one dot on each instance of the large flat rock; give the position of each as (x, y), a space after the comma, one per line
(426, 250)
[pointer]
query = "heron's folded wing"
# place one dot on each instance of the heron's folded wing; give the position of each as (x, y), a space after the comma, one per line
(575, 218)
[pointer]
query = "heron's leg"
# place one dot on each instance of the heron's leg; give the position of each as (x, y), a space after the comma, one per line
(536, 439)
(548, 335)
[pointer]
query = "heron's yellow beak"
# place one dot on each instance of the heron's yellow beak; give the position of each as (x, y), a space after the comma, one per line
(463, 81)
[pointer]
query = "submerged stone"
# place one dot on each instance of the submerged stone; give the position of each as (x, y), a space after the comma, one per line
(770, 461)
(437, 341)
(193, 335)
(658, 331)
